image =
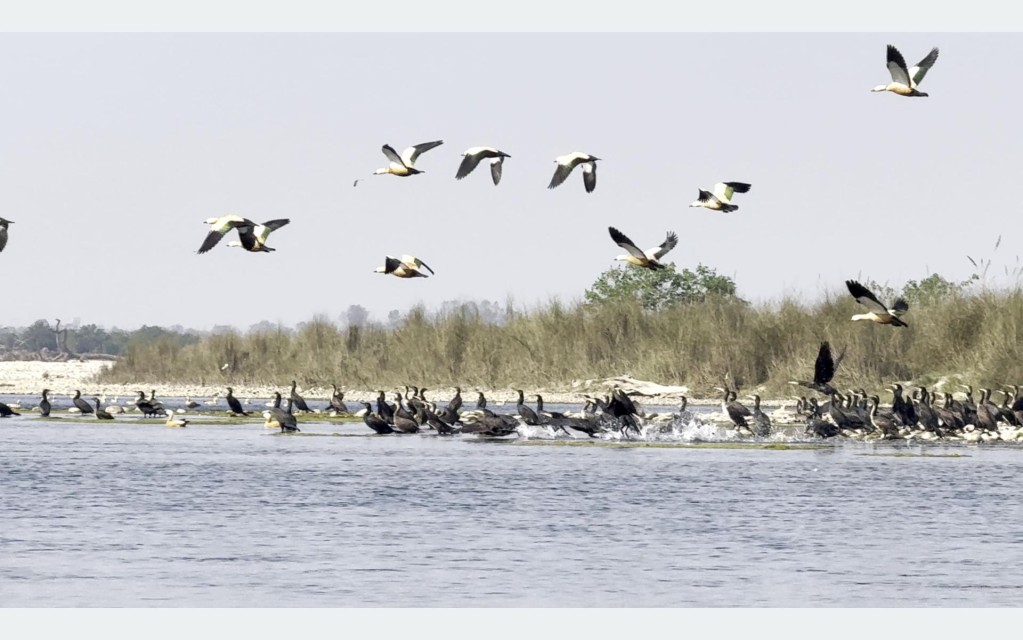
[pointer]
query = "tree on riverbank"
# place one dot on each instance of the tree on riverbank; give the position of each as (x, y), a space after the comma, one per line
(661, 288)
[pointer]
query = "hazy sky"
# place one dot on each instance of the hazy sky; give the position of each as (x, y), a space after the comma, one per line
(116, 146)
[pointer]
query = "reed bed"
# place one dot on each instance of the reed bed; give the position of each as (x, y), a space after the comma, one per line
(961, 337)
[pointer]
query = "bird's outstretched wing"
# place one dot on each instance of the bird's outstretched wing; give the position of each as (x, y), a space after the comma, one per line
(392, 155)
(273, 225)
(865, 297)
(723, 190)
(918, 72)
(824, 367)
(897, 66)
(706, 197)
(590, 176)
(469, 163)
(838, 360)
(669, 243)
(623, 241)
(263, 231)
(560, 175)
(212, 238)
(416, 262)
(495, 169)
(409, 155)
(220, 229)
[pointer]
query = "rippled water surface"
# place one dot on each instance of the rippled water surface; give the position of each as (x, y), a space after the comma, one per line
(99, 514)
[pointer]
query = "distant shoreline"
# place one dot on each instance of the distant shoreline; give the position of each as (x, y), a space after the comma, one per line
(28, 378)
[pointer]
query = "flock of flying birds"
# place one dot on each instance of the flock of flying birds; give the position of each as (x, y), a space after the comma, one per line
(252, 236)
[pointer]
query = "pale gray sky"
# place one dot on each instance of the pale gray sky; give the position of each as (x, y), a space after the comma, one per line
(116, 146)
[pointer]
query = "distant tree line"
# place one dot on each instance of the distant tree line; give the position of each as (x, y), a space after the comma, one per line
(42, 336)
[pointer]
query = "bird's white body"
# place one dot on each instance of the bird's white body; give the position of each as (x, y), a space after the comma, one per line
(872, 317)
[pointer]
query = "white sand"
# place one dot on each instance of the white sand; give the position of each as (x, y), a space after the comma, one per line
(31, 377)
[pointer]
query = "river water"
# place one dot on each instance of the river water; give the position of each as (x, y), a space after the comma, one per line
(128, 515)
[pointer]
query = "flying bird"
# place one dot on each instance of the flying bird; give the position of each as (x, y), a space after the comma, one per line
(905, 81)
(252, 236)
(568, 162)
(3, 232)
(649, 258)
(472, 157)
(405, 267)
(404, 164)
(219, 227)
(721, 198)
(877, 312)
(823, 371)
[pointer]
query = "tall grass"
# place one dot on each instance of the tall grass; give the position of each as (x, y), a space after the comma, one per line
(970, 337)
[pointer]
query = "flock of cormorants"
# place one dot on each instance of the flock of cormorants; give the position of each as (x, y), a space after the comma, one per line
(923, 415)
(410, 412)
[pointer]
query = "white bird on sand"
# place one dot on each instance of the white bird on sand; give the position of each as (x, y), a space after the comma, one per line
(472, 157)
(905, 81)
(405, 267)
(568, 162)
(721, 198)
(404, 164)
(650, 258)
(176, 422)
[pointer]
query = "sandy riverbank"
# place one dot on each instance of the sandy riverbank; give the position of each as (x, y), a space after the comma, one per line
(28, 378)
